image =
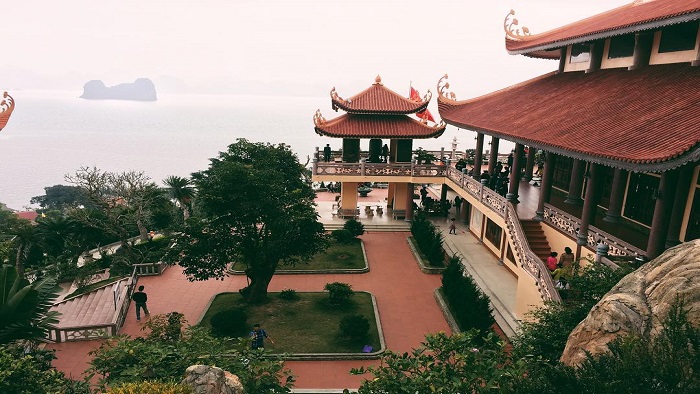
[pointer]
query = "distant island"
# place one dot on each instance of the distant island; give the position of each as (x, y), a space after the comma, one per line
(142, 89)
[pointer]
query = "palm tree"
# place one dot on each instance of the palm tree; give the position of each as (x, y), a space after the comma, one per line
(182, 191)
(24, 307)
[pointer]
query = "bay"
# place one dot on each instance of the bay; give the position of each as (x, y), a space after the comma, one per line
(53, 133)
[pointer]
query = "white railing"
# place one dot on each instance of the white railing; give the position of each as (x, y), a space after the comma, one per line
(529, 261)
(149, 269)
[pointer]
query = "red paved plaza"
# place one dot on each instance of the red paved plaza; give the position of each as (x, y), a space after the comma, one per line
(404, 297)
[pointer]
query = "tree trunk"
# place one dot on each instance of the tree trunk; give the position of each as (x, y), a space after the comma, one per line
(185, 212)
(143, 233)
(19, 263)
(260, 278)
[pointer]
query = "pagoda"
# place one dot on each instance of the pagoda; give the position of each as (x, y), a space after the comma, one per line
(380, 116)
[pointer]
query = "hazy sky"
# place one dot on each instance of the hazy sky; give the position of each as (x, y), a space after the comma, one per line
(276, 46)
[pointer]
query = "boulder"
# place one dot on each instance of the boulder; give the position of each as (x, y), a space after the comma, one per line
(640, 302)
(205, 379)
(142, 89)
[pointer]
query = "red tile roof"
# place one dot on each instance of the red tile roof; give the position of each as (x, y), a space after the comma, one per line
(643, 120)
(7, 105)
(377, 99)
(27, 215)
(637, 16)
(376, 126)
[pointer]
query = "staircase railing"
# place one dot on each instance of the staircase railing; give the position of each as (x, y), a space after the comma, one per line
(529, 261)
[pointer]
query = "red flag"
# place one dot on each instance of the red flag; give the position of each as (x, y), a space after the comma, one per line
(425, 114)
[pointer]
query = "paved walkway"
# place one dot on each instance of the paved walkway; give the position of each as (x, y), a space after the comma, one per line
(407, 308)
(404, 297)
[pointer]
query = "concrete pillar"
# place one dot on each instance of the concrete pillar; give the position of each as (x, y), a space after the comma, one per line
(493, 157)
(685, 176)
(348, 195)
(617, 194)
(409, 202)
(515, 171)
(576, 183)
(400, 196)
(601, 250)
(530, 165)
(546, 188)
(596, 50)
(464, 211)
(589, 204)
(562, 60)
(443, 193)
(642, 50)
(478, 156)
(390, 194)
(662, 214)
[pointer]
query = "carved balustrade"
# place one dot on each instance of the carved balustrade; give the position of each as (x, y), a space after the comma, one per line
(380, 169)
(529, 261)
(569, 225)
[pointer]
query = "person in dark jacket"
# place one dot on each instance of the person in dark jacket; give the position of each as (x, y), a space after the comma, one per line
(140, 299)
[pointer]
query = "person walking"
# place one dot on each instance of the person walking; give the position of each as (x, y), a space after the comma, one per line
(453, 226)
(140, 299)
(458, 204)
(257, 337)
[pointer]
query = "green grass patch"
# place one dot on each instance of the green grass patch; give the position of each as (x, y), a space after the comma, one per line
(306, 325)
(337, 256)
(95, 285)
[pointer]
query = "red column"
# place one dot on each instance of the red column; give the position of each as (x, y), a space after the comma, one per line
(589, 204)
(546, 188)
(662, 214)
(478, 156)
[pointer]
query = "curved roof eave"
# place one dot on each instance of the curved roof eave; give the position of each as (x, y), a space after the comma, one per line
(691, 155)
(338, 104)
(602, 34)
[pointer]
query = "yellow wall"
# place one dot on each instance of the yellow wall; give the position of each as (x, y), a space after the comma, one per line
(348, 195)
(400, 196)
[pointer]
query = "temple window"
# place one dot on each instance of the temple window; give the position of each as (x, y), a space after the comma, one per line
(580, 53)
(681, 37)
(493, 233)
(621, 46)
(562, 173)
(642, 192)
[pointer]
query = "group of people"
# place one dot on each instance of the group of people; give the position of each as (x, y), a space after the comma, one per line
(560, 268)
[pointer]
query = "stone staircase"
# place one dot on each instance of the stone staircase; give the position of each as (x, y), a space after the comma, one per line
(95, 308)
(374, 227)
(536, 238)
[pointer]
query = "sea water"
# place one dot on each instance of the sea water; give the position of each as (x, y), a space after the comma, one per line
(54, 133)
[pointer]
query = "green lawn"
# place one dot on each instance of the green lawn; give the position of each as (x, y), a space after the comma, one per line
(337, 256)
(306, 325)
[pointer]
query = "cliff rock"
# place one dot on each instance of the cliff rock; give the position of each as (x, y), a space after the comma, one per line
(212, 380)
(640, 302)
(142, 89)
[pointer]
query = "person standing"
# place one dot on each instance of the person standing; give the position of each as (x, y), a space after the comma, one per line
(458, 204)
(385, 153)
(453, 227)
(140, 299)
(327, 153)
(567, 259)
(257, 337)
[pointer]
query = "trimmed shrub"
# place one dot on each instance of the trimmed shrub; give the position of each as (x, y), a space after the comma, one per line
(342, 236)
(229, 323)
(470, 307)
(150, 387)
(354, 326)
(354, 227)
(428, 239)
(339, 293)
(289, 294)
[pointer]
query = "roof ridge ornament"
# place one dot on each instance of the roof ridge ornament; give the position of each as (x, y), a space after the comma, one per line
(510, 27)
(7, 105)
(442, 88)
(336, 97)
(318, 118)
(378, 80)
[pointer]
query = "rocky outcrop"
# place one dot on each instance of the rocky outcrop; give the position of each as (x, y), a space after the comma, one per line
(640, 302)
(142, 89)
(212, 380)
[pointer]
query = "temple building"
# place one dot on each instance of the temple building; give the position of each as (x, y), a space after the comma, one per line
(614, 130)
(380, 116)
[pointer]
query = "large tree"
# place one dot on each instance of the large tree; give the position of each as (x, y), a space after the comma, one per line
(61, 197)
(121, 201)
(257, 210)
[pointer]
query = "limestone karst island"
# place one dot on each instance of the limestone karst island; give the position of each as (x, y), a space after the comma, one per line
(142, 89)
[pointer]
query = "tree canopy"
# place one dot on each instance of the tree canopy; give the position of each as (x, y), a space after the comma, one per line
(256, 209)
